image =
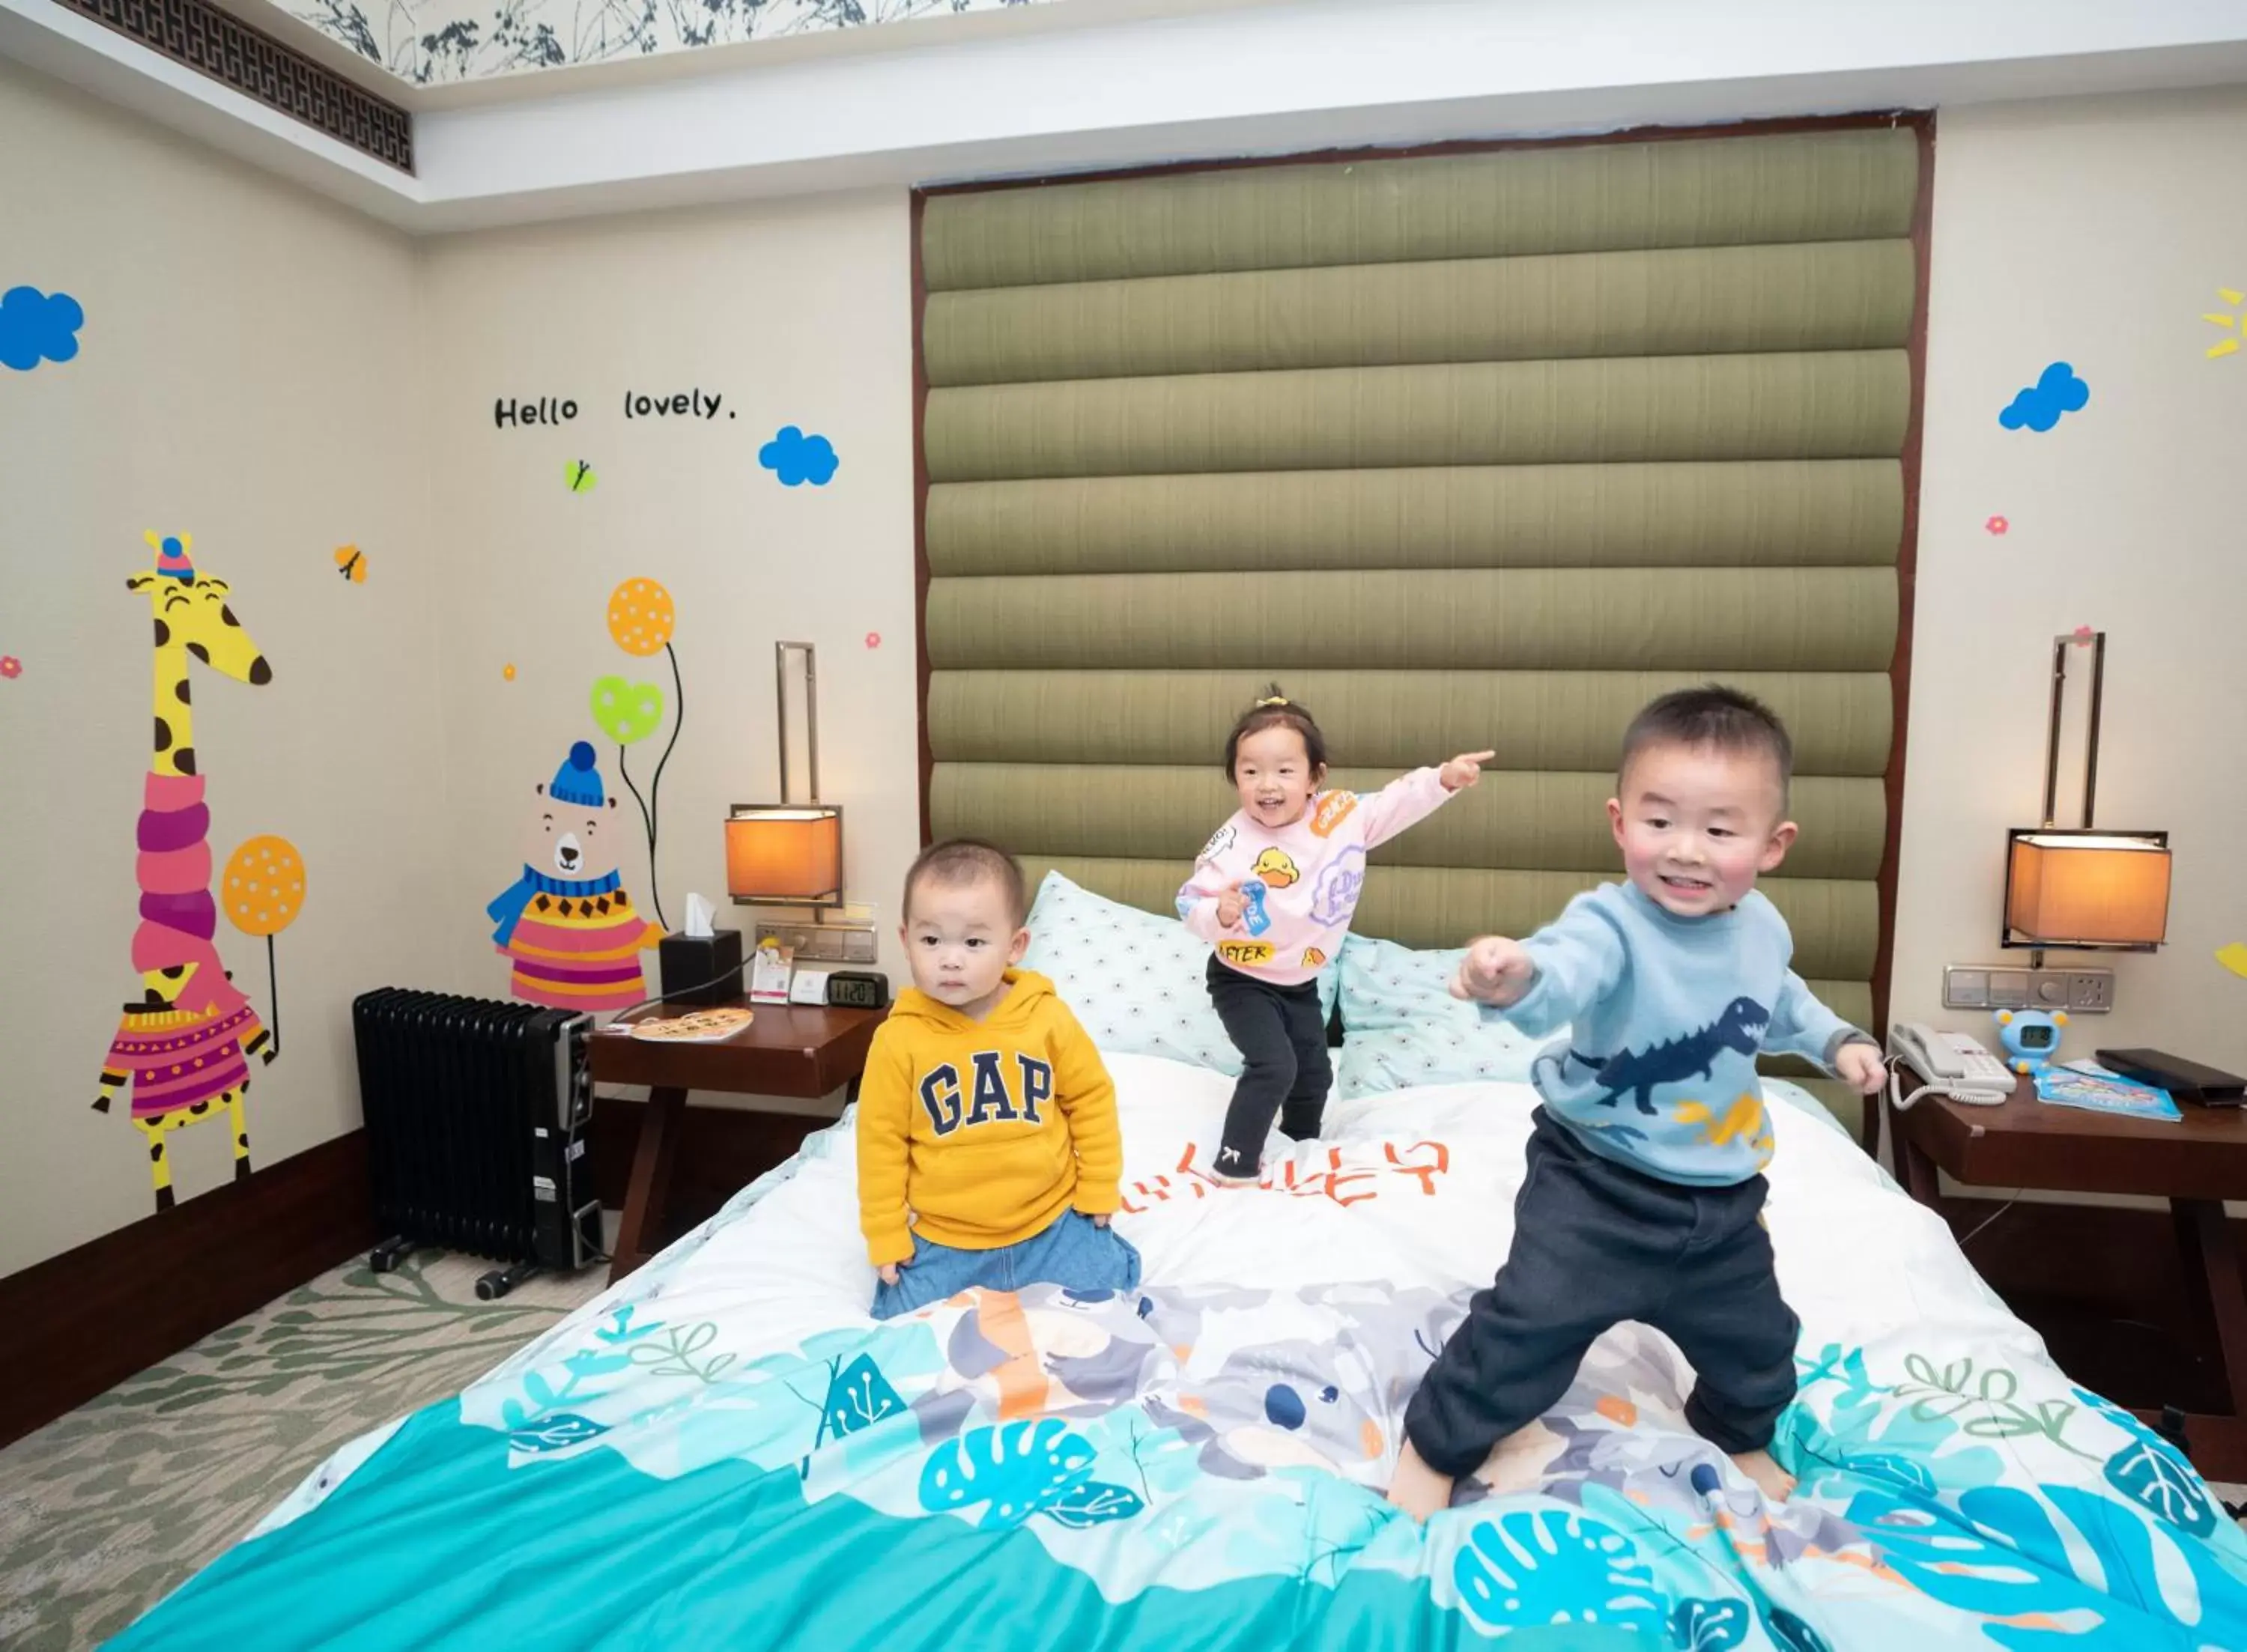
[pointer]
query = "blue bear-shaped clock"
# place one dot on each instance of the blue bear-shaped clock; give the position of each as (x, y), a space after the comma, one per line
(2030, 1037)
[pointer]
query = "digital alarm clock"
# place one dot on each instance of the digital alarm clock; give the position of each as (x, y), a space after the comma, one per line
(2030, 1037)
(859, 989)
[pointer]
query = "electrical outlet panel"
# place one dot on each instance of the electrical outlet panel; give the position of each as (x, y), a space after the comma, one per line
(824, 942)
(2079, 991)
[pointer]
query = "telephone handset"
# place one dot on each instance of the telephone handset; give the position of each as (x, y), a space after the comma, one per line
(1955, 1065)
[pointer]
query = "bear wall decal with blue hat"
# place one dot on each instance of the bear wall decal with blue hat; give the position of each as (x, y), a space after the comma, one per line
(567, 922)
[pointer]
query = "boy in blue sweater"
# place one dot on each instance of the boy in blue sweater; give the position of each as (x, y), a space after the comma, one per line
(1643, 1195)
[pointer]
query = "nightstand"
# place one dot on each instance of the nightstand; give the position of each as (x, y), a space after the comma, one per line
(788, 1050)
(2196, 1164)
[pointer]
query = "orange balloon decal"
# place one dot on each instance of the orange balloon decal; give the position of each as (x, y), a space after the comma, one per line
(264, 886)
(641, 617)
(261, 893)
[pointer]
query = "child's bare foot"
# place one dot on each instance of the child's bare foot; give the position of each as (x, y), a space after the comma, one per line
(1774, 1482)
(1518, 1462)
(1417, 1489)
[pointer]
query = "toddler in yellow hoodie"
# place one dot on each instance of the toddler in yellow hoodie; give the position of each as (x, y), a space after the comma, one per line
(989, 1152)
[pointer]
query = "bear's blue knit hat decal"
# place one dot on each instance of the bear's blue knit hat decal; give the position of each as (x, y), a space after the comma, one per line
(578, 781)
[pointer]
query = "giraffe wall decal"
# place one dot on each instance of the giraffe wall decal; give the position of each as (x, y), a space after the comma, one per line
(185, 1043)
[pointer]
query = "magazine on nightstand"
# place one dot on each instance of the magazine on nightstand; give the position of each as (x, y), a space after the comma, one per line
(2088, 1085)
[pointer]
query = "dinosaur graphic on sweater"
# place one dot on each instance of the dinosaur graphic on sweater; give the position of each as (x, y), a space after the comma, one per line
(1639, 1073)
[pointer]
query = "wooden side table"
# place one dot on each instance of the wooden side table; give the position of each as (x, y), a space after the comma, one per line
(788, 1050)
(2196, 1164)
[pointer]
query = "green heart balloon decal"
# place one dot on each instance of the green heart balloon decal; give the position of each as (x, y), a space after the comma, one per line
(627, 711)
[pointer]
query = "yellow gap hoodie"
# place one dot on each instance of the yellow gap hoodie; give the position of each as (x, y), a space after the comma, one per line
(981, 1133)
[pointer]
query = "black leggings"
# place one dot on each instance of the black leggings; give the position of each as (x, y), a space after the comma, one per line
(1282, 1040)
(1594, 1243)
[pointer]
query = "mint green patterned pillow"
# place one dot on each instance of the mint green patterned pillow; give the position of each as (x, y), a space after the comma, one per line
(1401, 1026)
(1136, 979)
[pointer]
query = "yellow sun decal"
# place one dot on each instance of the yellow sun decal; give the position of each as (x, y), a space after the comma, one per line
(2226, 347)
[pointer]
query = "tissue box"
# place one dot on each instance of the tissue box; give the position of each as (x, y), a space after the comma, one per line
(700, 969)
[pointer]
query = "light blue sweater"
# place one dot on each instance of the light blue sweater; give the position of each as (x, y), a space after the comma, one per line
(1665, 1017)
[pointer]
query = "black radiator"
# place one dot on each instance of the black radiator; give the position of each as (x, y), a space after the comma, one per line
(476, 1114)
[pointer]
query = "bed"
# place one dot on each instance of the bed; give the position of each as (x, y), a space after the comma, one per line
(723, 1450)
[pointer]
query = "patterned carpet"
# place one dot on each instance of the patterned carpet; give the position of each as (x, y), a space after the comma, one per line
(105, 1511)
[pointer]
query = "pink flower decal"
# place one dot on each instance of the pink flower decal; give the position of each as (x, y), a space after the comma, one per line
(11, 666)
(1996, 525)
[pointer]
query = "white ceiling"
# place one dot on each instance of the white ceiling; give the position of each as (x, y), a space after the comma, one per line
(1105, 83)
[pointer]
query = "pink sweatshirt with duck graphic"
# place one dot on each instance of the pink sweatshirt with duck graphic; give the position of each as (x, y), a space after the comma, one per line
(1299, 883)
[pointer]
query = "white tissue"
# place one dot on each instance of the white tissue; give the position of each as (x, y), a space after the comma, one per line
(699, 913)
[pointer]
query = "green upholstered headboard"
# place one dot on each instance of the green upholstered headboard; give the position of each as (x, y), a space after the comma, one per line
(1473, 449)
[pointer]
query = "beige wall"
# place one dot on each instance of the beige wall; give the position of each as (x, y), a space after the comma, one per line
(2096, 232)
(247, 373)
(278, 377)
(797, 313)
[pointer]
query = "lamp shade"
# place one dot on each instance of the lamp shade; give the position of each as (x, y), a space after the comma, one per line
(785, 853)
(2087, 888)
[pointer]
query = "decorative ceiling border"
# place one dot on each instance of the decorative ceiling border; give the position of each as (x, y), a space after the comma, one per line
(218, 43)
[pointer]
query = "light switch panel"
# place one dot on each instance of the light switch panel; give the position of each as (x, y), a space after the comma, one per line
(2079, 991)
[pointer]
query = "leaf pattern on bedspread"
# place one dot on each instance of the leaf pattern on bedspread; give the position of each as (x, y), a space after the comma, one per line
(1709, 1626)
(2151, 1472)
(1010, 1473)
(859, 1397)
(1201, 1463)
(1901, 1486)
(1546, 1566)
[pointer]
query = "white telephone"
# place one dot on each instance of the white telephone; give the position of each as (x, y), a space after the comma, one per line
(1957, 1065)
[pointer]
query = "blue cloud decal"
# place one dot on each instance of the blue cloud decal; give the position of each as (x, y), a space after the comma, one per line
(2057, 391)
(37, 326)
(796, 458)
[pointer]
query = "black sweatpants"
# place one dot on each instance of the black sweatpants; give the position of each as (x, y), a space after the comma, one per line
(1282, 1040)
(1595, 1242)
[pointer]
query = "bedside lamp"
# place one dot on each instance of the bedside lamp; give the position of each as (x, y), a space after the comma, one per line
(784, 854)
(2079, 888)
(788, 854)
(2087, 889)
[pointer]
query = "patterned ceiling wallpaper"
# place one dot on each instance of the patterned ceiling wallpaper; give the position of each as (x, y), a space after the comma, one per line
(432, 41)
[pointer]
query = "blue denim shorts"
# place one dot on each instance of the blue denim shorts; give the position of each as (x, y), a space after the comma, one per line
(1073, 1253)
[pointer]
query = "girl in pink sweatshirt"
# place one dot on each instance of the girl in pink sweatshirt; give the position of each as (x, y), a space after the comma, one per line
(1273, 890)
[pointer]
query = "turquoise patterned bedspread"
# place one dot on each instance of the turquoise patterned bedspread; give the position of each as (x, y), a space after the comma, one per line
(724, 1451)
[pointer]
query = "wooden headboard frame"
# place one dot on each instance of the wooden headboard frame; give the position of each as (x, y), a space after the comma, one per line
(1920, 122)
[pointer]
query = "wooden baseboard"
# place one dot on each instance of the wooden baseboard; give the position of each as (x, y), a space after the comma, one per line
(135, 1297)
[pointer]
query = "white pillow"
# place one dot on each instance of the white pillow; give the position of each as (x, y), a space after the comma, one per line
(1138, 981)
(1401, 1026)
